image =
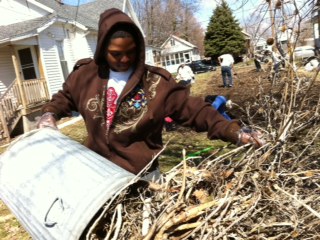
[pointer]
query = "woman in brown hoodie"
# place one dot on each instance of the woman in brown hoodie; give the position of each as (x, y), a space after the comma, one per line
(124, 102)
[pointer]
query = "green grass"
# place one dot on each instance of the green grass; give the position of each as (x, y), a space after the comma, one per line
(195, 144)
(10, 228)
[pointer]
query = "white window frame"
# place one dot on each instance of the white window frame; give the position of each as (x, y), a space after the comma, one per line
(34, 59)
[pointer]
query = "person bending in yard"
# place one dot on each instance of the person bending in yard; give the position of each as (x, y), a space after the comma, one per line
(257, 61)
(276, 61)
(124, 102)
(185, 74)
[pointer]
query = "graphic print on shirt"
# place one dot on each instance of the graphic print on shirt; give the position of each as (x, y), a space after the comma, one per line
(111, 105)
(135, 105)
(94, 105)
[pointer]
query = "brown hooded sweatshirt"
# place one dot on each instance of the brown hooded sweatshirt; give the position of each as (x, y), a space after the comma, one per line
(150, 95)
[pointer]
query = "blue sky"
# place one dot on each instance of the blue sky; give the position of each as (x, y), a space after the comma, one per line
(75, 2)
(205, 12)
(240, 10)
(203, 15)
(206, 9)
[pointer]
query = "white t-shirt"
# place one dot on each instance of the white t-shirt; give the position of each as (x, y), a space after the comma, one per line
(185, 73)
(276, 58)
(227, 60)
(118, 80)
(116, 83)
(314, 63)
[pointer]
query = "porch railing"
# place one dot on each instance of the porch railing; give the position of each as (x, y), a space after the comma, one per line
(35, 92)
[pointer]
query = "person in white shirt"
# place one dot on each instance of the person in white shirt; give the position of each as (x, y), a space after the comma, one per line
(185, 74)
(226, 62)
(257, 61)
(312, 64)
(276, 61)
(276, 58)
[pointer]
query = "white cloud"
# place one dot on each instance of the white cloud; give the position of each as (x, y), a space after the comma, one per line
(205, 4)
(205, 12)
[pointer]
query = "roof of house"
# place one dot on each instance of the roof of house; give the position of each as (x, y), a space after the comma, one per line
(180, 40)
(87, 14)
(23, 28)
(246, 35)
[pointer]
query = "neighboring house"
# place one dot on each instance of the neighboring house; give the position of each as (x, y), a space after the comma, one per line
(153, 56)
(260, 44)
(40, 41)
(315, 22)
(286, 37)
(247, 38)
(175, 51)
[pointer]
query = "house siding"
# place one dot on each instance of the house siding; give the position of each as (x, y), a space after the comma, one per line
(7, 73)
(69, 56)
(92, 44)
(18, 11)
(28, 42)
(51, 63)
(61, 33)
(80, 45)
(149, 56)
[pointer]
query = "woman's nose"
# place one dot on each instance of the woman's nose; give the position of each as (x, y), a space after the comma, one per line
(124, 58)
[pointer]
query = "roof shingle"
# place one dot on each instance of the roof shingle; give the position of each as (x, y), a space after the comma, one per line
(88, 15)
(23, 28)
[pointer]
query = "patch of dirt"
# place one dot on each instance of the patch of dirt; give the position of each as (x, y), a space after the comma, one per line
(249, 85)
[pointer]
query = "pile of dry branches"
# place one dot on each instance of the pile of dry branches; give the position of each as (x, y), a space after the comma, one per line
(267, 193)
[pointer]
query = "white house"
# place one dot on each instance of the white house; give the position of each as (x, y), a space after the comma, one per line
(260, 44)
(49, 36)
(176, 51)
(40, 41)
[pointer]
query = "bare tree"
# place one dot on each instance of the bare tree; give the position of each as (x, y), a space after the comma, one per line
(162, 18)
(276, 18)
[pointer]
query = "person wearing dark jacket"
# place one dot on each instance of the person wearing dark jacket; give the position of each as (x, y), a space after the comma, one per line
(124, 102)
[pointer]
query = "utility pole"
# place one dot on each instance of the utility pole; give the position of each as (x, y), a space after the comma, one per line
(317, 34)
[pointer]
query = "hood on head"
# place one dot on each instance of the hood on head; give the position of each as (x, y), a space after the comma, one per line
(111, 20)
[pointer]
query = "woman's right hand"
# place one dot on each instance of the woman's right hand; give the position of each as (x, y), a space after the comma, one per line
(47, 120)
(248, 135)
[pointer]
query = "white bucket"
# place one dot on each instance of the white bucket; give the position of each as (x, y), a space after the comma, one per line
(54, 185)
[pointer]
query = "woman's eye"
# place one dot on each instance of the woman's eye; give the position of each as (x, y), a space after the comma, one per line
(116, 54)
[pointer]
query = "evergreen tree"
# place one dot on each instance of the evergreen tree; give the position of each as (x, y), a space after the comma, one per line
(223, 34)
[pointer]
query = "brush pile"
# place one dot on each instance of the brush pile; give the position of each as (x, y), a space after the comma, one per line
(268, 193)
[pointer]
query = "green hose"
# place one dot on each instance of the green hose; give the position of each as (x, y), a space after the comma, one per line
(200, 152)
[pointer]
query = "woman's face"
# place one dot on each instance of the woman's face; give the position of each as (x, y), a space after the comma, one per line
(121, 54)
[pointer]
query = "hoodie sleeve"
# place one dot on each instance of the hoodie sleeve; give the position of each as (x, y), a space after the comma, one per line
(194, 112)
(62, 103)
